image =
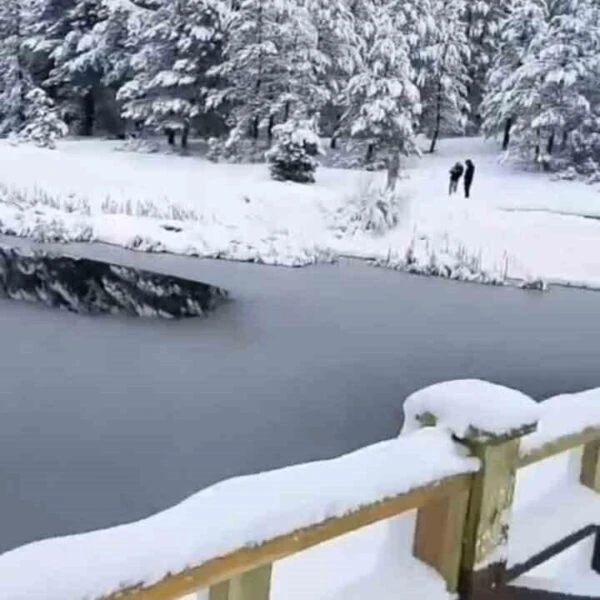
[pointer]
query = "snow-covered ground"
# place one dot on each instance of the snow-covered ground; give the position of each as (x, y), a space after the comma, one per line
(373, 562)
(520, 225)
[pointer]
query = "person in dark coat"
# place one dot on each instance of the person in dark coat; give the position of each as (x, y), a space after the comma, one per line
(469, 174)
(455, 174)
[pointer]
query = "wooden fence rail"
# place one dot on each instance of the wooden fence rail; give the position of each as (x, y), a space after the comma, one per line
(241, 575)
(463, 524)
(462, 528)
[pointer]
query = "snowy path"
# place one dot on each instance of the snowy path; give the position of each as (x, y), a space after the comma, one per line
(107, 420)
(190, 206)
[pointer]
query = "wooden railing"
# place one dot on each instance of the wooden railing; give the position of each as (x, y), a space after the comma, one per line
(245, 573)
(463, 523)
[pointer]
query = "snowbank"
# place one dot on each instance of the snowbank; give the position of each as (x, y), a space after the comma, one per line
(237, 513)
(564, 415)
(84, 191)
(471, 408)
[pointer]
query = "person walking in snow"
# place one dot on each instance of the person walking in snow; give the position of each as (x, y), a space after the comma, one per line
(455, 174)
(469, 174)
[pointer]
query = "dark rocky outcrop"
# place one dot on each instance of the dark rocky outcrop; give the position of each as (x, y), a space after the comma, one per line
(91, 287)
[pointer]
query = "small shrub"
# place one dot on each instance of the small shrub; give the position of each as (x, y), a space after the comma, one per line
(43, 124)
(372, 209)
(293, 157)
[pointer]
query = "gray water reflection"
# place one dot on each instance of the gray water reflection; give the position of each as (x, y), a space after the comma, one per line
(106, 419)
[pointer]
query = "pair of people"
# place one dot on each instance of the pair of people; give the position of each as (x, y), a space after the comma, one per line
(457, 172)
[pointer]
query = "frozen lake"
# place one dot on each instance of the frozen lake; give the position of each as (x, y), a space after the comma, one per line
(106, 419)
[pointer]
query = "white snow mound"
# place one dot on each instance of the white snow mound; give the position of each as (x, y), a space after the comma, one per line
(564, 415)
(469, 406)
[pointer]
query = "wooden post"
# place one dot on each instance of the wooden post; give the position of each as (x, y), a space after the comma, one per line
(439, 534)
(483, 562)
(464, 537)
(590, 466)
(252, 585)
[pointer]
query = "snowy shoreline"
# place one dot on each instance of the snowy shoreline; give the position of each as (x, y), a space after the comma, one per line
(509, 234)
(371, 261)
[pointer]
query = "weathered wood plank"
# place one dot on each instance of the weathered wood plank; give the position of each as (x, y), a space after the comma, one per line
(252, 585)
(563, 444)
(439, 536)
(483, 563)
(590, 466)
(243, 560)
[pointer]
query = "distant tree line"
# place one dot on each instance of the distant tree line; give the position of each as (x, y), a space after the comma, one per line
(379, 72)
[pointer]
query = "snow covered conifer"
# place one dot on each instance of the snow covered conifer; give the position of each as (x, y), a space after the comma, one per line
(180, 41)
(271, 69)
(383, 100)
(15, 80)
(504, 99)
(483, 19)
(335, 57)
(43, 123)
(555, 86)
(76, 69)
(293, 156)
(443, 76)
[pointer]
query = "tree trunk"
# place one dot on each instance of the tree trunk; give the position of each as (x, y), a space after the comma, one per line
(334, 135)
(286, 112)
(370, 153)
(393, 171)
(438, 119)
(185, 134)
(537, 148)
(550, 144)
(89, 114)
(506, 139)
(255, 128)
(170, 133)
(565, 139)
(270, 128)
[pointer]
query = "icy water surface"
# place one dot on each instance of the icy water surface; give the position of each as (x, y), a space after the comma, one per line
(104, 420)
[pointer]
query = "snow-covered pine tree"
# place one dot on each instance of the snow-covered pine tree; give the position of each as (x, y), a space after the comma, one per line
(43, 125)
(483, 19)
(15, 79)
(383, 101)
(270, 68)
(97, 60)
(504, 100)
(293, 156)
(179, 42)
(25, 109)
(336, 56)
(558, 78)
(299, 90)
(63, 38)
(443, 76)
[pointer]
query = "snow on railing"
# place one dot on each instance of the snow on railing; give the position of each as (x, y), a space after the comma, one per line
(456, 462)
(566, 421)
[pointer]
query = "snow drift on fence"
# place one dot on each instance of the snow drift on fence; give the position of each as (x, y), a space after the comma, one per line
(469, 406)
(237, 513)
(564, 415)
